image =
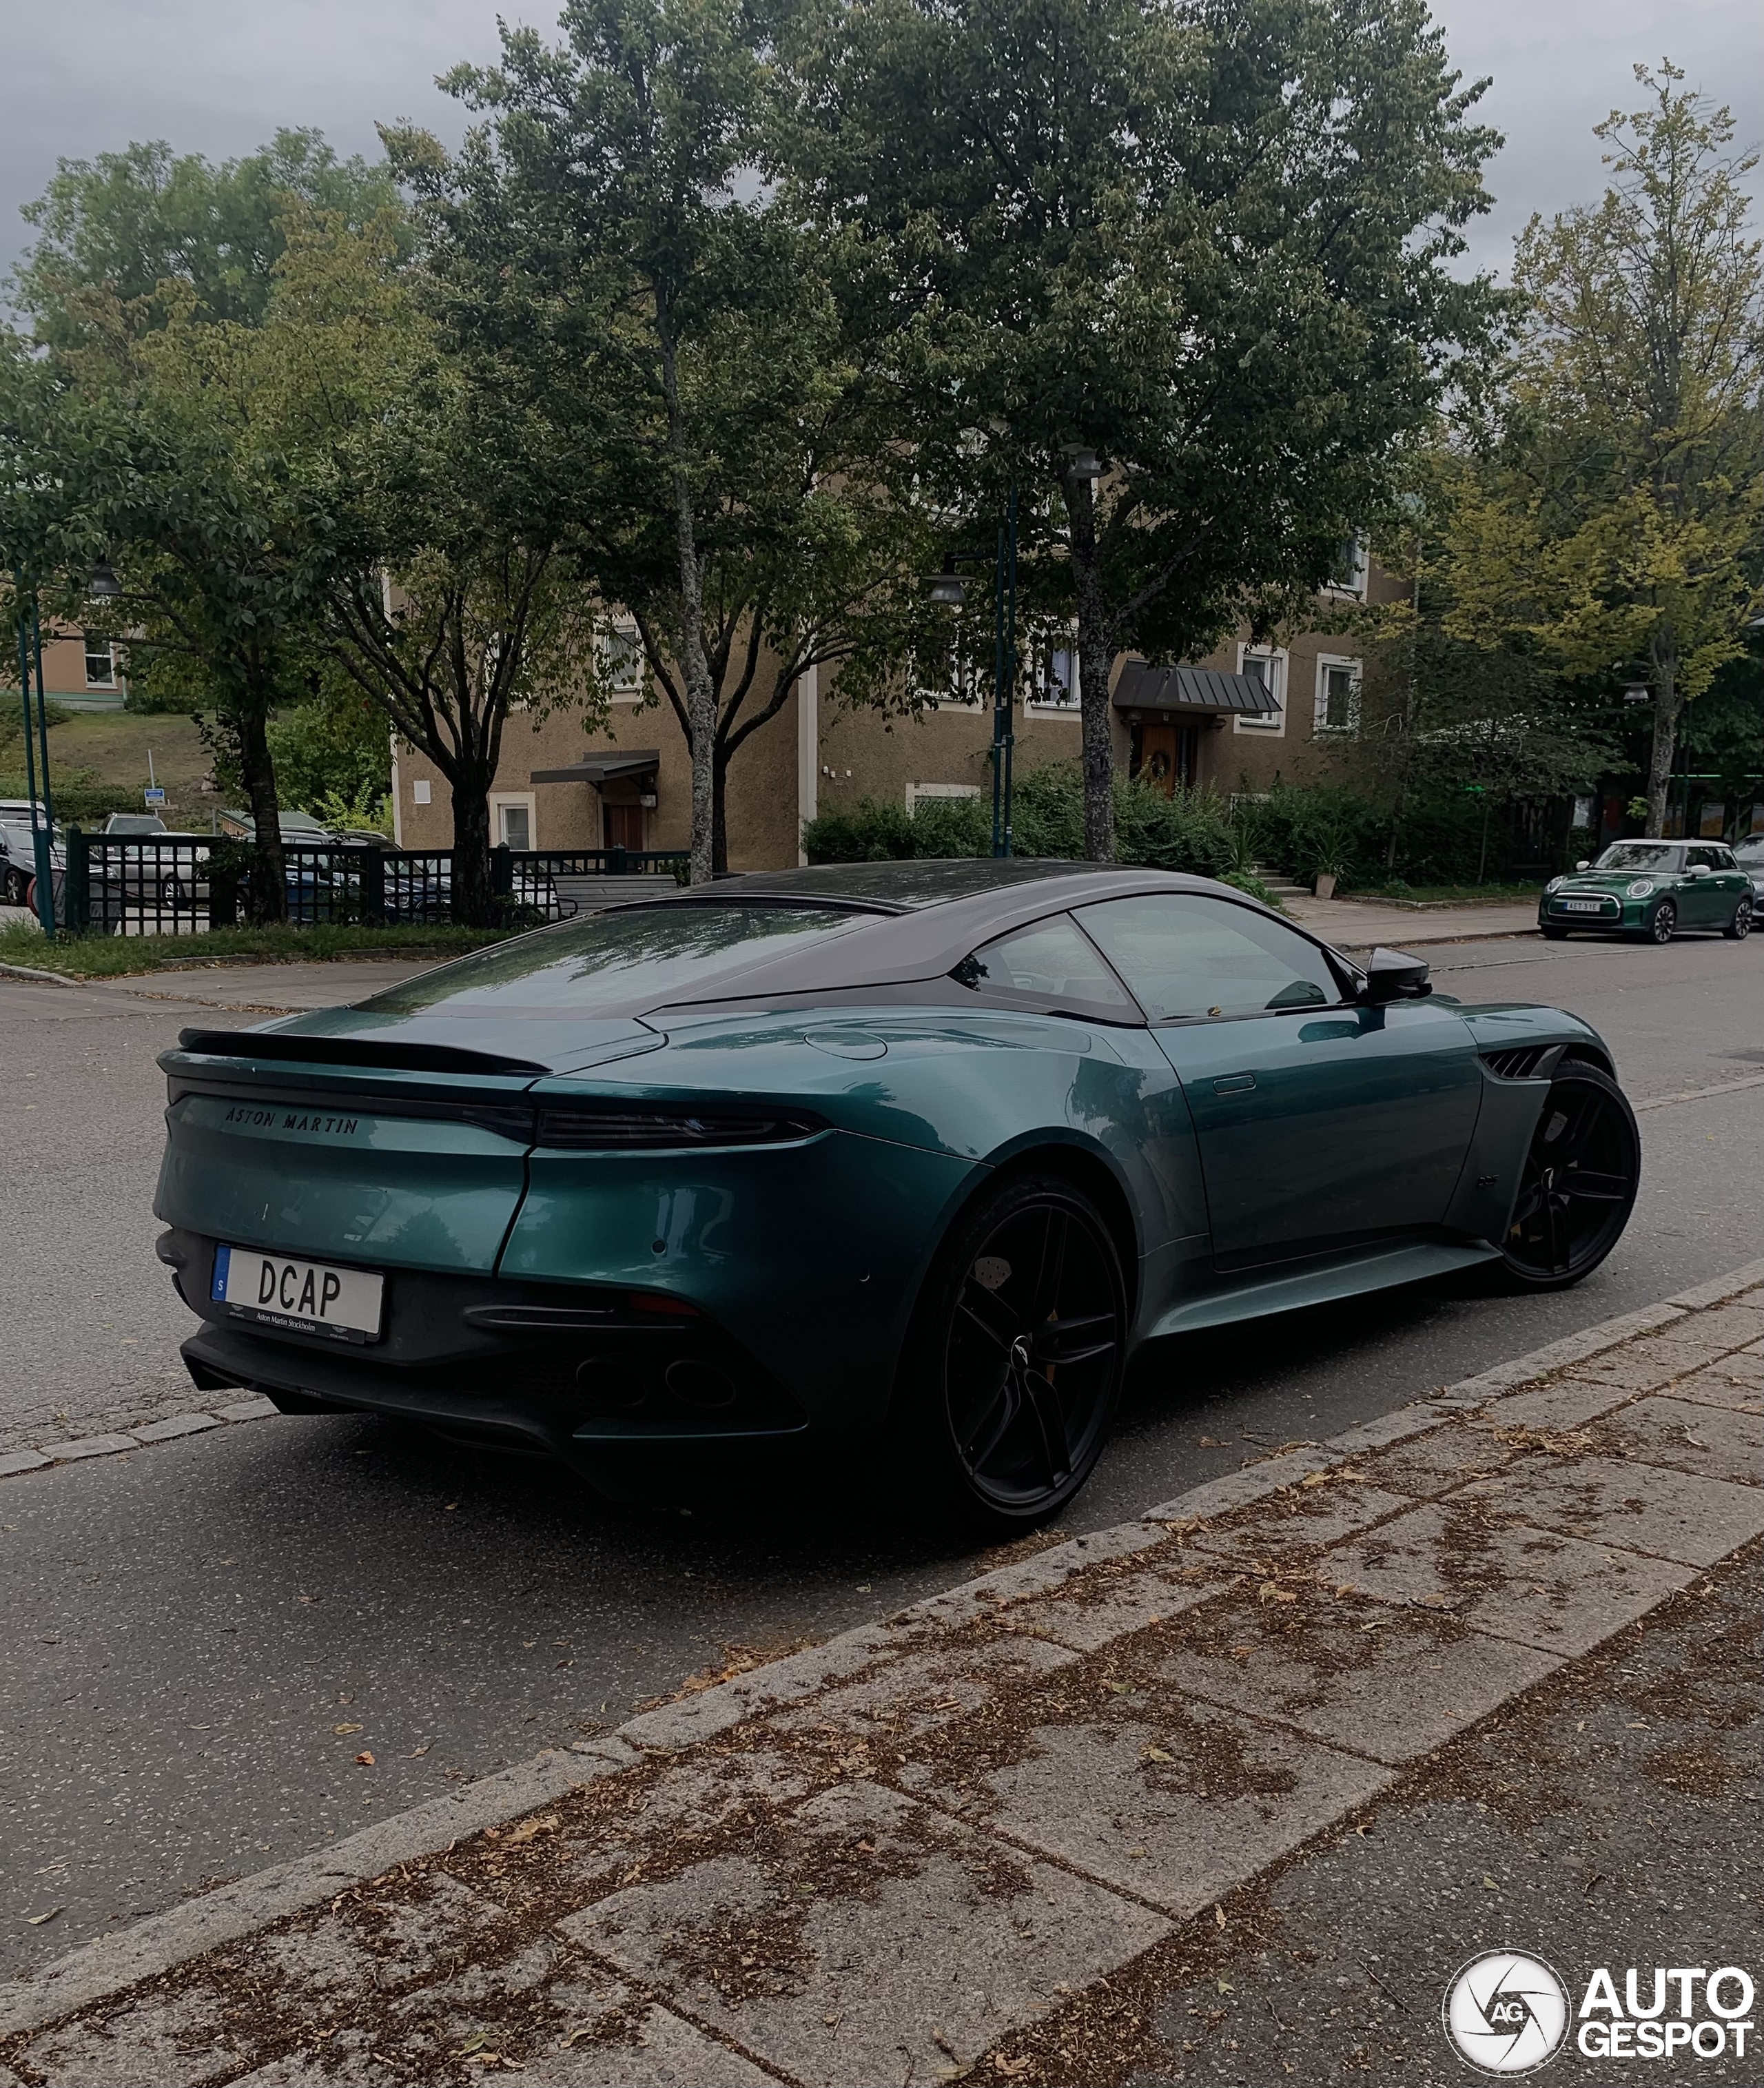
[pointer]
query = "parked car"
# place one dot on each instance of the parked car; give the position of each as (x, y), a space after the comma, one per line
(1650, 890)
(17, 850)
(899, 1161)
(1750, 855)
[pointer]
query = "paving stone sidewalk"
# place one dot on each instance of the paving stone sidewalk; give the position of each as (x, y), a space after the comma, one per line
(913, 1855)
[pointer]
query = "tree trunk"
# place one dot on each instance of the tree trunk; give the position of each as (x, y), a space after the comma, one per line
(1095, 658)
(719, 830)
(474, 902)
(700, 696)
(1659, 766)
(257, 771)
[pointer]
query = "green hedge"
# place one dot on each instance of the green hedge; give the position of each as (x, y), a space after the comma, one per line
(1191, 831)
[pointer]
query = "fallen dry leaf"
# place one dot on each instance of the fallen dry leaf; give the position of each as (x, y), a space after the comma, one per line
(1156, 1754)
(346, 1729)
(529, 1829)
(365, 1759)
(37, 1920)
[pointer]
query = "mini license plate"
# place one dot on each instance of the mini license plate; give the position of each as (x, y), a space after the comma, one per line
(305, 1297)
(1583, 906)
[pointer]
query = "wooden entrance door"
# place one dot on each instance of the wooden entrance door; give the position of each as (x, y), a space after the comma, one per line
(624, 827)
(1166, 756)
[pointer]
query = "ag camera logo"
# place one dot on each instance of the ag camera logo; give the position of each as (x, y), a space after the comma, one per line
(1506, 2012)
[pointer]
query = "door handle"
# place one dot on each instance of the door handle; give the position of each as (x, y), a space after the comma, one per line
(1233, 1084)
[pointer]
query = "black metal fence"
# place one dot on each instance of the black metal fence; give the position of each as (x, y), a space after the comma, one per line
(185, 884)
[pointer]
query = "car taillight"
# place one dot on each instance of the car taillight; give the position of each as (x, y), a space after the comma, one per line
(589, 1128)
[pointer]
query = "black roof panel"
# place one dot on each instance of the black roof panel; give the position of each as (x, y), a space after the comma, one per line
(906, 886)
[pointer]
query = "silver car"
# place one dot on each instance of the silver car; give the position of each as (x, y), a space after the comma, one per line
(1750, 855)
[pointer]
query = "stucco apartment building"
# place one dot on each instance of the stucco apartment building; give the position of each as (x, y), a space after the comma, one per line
(1233, 720)
(80, 671)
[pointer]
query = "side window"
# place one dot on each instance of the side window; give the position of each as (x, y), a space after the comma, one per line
(1053, 964)
(1187, 955)
(1706, 858)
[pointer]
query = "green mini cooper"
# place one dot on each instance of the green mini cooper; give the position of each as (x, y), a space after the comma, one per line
(1651, 889)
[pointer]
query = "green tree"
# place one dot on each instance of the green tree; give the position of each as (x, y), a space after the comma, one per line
(1211, 246)
(442, 589)
(127, 223)
(1621, 511)
(606, 253)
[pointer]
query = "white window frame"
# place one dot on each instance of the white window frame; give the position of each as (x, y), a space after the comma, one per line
(1325, 662)
(108, 647)
(917, 791)
(631, 686)
(1041, 706)
(501, 801)
(1266, 724)
(420, 792)
(1353, 588)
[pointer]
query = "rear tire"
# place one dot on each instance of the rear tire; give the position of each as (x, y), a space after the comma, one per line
(1740, 925)
(1579, 1184)
(1008, 1383)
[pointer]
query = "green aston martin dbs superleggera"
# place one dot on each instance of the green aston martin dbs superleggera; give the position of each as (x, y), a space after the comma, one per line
(894, 1159)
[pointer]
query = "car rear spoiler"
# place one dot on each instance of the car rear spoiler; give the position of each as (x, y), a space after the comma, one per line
(412, 1057)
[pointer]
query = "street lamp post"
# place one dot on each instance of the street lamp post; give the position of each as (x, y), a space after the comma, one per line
(35, 746)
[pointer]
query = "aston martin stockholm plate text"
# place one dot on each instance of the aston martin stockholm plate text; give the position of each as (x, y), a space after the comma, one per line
(305, 1297)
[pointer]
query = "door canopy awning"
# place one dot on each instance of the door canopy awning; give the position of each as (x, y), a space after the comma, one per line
(634, 766)
(1143, 688)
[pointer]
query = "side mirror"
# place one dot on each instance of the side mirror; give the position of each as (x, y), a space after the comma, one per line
(1699, 869)
(1394, 975)
(1583, 864)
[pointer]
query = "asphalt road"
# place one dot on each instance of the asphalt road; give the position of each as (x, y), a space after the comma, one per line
(200, 1638)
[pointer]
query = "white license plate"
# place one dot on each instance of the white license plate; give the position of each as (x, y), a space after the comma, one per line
(307, 1297)
(1583, 906)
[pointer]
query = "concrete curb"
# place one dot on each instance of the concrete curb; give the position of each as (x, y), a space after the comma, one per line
(107, 1967)
(114, 1443)
(34, 977)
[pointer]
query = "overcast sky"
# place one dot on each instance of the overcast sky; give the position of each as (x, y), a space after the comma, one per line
(220, 76)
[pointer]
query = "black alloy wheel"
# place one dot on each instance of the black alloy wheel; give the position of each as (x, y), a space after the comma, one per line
(1579, 1184)
(1740, 925)
(1010, 1381)
(1663, 922)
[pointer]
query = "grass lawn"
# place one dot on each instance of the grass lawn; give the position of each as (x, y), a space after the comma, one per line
(111, 956)
(99, 757)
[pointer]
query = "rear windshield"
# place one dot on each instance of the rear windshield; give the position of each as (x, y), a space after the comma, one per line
(603, 961)
(1638, 855)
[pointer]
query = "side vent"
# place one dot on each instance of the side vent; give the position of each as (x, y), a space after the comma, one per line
(1522, 1062)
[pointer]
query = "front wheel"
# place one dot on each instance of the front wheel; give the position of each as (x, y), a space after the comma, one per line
(1740, 925)
(1663, 922)
(1008, 1384)
(1579, 1184)
(1554, 934)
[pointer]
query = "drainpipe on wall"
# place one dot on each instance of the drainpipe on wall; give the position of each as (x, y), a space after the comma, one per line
(808, 753)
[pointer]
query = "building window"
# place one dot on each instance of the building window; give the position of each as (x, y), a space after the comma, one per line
(1337, 695)
(1349, 574)
(619, 648)
(1267, 665)
(419, 791)
(100, 663)
(512, 820)
(1053, 677)
(954, 680)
